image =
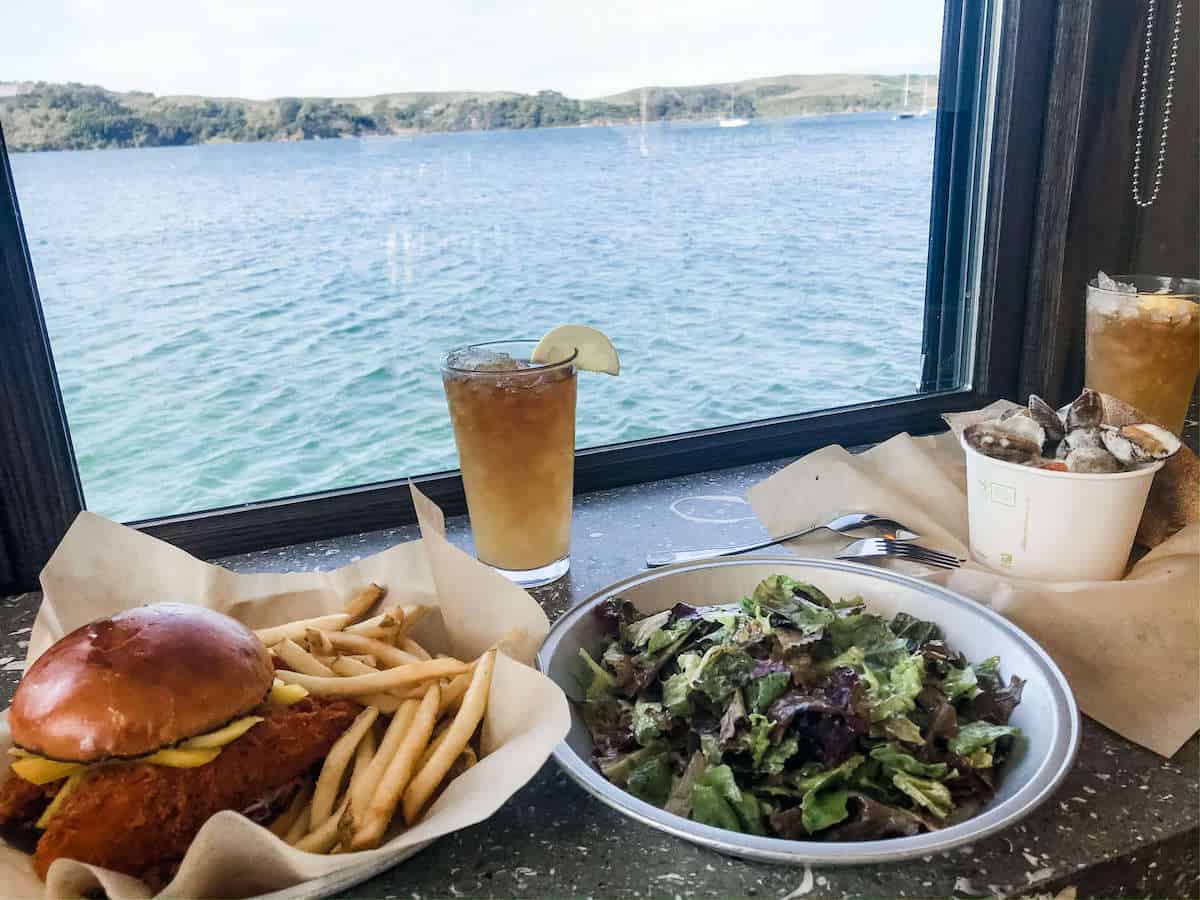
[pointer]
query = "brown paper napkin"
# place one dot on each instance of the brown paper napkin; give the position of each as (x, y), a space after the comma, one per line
(101, 567)
(1128, 648)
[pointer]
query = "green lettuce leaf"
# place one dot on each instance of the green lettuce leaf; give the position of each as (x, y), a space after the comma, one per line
(813, 778)
(650, 721)
(677, 689)
(978, 735)
(750, 813)
(722, 670)
(650, 779)
(710, 808)
(824, 794)
(617, 768)
(988, 670)
(722, 779)
(803, 605)
(862, 629)
(981, 759)
(893, 760)
(880, 647)
(710, 746)
(820, 809)
(601, 683)
(638, 633)
(960, 683)
(870, 777)
(664, 637)
(898, 695)
(903, 729)
(776, 757)
(916, 632)
(933, 795)
(851, 658)
(716, 798)
(760, 738)
(762, 692)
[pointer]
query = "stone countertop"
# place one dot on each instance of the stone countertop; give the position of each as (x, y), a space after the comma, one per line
(1125, 823)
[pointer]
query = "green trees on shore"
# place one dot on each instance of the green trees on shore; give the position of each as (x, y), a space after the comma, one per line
(72, 116)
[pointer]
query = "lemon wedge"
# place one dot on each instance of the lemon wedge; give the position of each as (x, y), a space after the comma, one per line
(595, 352)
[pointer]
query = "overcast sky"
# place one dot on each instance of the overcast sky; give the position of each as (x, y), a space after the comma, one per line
(266, 49)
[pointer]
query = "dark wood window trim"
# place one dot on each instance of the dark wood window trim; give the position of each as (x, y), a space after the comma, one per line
(38, 452)
(40, 491)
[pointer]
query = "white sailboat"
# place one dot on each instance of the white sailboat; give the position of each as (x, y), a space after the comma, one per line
(904, 113)
(924, 98)
(732, 121)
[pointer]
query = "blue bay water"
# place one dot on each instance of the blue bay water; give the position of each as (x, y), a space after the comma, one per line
(233, 323)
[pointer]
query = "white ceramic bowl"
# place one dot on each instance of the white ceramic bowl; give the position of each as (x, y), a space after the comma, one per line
(1047, 715)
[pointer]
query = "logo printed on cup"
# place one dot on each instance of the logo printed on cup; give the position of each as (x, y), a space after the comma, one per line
(1003, 494)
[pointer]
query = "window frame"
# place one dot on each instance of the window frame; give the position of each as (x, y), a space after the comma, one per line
(981, 296)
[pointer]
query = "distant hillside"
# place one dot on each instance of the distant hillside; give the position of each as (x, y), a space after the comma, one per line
(44, 116)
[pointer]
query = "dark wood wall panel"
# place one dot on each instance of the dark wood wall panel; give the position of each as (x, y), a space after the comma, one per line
(1087, 218)
(1167, 235)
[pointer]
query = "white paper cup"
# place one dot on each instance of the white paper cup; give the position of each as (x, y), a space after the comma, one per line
(1054, 526)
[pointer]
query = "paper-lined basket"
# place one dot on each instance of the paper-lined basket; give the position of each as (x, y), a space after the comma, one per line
(101, 567)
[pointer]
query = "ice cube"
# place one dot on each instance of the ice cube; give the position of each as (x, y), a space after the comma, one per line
(1107, 283)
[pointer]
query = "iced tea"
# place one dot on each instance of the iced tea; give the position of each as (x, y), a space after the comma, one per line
(514, 423)
(1144, 347)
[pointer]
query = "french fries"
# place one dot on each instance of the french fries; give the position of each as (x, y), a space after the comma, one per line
(323, 839)
(348, 667)
(387, 703)
(299, 827)
(360, 794)
(300, 659)
(282, 825)
(413, 736)
(330, 779)
(466, 720)
(408, 645)
(454, 691)
(295, 630)
(388, 679)
(360, 604)
(385, 621)
(398, 773)
(358, 643)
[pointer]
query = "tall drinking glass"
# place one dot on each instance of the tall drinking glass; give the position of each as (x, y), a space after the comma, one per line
(1144, 347)
(514, 423)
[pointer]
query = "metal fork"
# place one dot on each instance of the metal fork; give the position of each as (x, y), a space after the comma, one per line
(841, 524)
(870, 548)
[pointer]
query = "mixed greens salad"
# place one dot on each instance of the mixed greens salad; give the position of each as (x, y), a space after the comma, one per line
(796, 716)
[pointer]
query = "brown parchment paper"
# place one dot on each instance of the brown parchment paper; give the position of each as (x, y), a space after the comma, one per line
(102, 567)
(1129, 648)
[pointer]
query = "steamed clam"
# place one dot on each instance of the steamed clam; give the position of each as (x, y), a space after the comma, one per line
(1042, 413)
(1152, 440)
(1087, 411)
(1078, 438)
(1073, 439)
(1026, 427)
(1092, 461)
(990, 439)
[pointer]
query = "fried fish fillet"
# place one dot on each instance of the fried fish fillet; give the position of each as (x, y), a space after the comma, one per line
(140, 818)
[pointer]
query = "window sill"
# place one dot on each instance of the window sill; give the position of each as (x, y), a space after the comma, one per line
(1106, 831)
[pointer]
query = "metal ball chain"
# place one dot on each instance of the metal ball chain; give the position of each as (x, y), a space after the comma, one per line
(1151, 12)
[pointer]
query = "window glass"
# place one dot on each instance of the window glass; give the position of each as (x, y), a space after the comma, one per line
(249, 299)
